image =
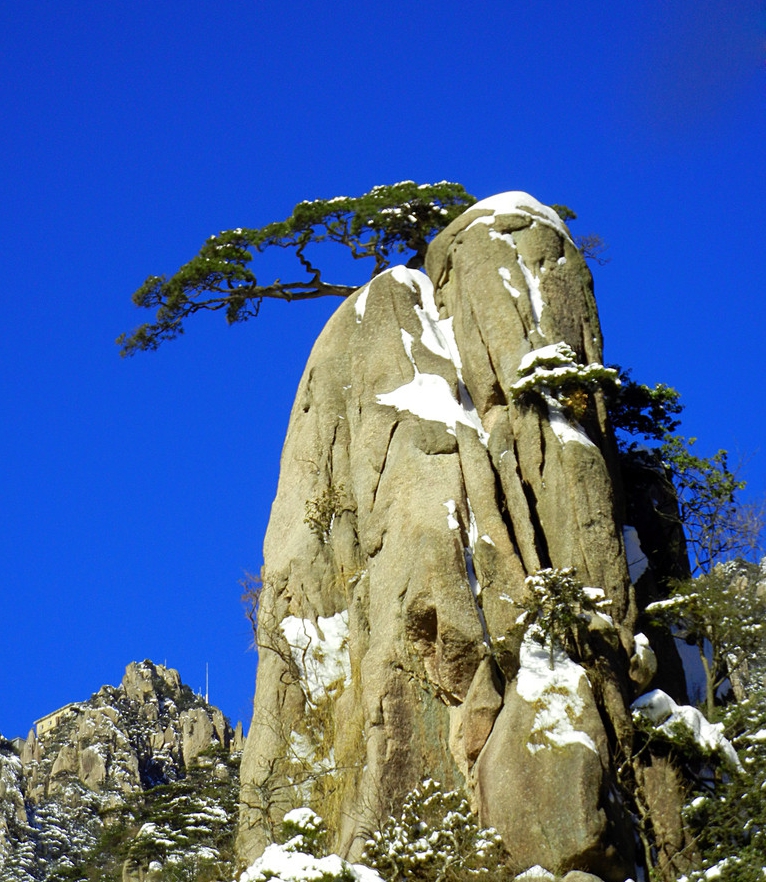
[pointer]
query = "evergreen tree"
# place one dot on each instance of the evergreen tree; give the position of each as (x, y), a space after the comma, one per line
(389, 220)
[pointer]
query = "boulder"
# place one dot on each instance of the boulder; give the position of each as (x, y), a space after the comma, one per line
(144, 682)
(198, 733)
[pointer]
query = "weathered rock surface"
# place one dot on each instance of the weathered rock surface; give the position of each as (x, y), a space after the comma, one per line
(416, 494)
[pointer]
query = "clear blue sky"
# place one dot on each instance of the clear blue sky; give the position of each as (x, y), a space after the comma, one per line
(136, 492)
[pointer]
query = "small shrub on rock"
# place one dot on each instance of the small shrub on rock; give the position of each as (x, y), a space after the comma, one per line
(303, 830)
(301, 857)
(553, 371)
(559, 606)
(437, 837)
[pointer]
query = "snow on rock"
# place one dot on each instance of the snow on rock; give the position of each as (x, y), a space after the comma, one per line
(452, 521)
(643, 662)
(430, 396)
(638, 562)
(505, 275)
(519, 202)
(564, 429)
(532, 281)
(472, 536)
(535, 295)
(643, 651)
(393, 418)
(554, 693)
(669, 718)
(320, 652)
(360, 304)
(469, 552)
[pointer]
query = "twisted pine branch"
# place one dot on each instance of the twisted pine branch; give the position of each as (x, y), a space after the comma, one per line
(392, 219)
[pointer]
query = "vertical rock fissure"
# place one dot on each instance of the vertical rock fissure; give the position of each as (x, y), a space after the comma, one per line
(497, 395)
(502, 507)
(541, 543)
(379, 475)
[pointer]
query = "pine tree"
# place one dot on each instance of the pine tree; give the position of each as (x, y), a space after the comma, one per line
(388, 220)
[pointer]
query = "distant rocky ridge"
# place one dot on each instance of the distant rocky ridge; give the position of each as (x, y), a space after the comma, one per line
(90, 769)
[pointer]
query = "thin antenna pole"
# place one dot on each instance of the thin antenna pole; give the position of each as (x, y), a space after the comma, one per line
(207, 683)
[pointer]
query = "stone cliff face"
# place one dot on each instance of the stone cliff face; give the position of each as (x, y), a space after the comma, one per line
(419, 489)
(57, 793)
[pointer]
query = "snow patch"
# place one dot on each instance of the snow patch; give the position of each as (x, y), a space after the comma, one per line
(452, 521)
(360, 304)
(283, 864)
(562, 428)
(505, 275)
(405, 276)
(301, 748)
(472, 537)
(473, 529)
(430, 396)
(533, 282)
(535, 295)
(642, 648)
(644, 658)
(554, 693)
(659, 708)
(503, 237)
(320, 652)
(638, 562)
(519, 202)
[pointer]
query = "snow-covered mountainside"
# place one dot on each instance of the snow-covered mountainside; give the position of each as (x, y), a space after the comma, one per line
(146, 772)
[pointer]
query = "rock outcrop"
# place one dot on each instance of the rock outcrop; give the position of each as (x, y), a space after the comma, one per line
(98, 757)
(137, 735)
(432, 463)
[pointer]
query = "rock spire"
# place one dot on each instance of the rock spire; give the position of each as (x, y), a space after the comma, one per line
(448, 440)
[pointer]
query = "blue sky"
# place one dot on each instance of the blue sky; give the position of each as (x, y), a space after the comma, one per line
(136, 492)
